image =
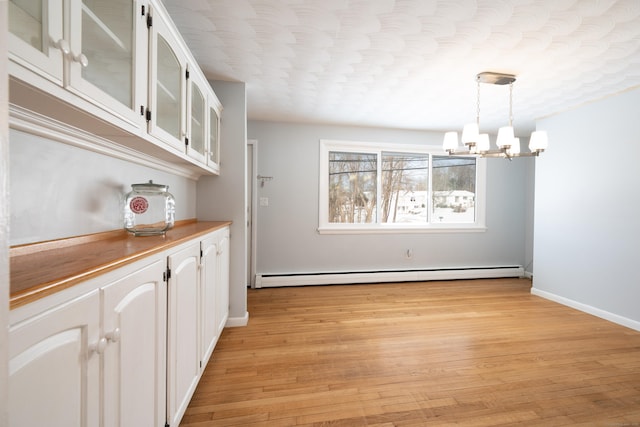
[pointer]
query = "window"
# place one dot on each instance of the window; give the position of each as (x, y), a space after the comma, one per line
(367, 187)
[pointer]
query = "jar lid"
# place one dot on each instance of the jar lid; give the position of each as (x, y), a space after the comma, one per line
(150, 186)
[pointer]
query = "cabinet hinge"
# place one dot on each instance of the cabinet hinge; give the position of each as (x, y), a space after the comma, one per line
(200, 253)
(166, 425)
(148, 115)
(186, 73)
(142, 10)
(186, 141)
(149, 20)
(166, 275)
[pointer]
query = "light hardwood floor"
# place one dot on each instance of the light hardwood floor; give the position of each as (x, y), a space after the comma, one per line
(474, 352)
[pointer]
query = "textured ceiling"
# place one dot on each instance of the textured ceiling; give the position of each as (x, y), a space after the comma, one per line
(412, 63)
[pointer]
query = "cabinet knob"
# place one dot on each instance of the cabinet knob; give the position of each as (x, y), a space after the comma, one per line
(113, 336)
(61, 44)
(98, 348)
(82, 59)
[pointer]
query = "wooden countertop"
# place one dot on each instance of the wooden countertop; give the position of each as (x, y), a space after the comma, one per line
(41, 269)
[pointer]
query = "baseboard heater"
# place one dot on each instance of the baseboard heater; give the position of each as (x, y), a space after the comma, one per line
(344, 278)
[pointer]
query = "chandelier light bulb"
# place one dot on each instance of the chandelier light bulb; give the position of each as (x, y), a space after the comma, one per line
(515, 147)
(483, 142)
(539, 141)
(450, 141)
(505, 137)
(470, 133)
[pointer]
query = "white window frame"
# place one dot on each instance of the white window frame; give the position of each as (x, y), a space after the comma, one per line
(325, 227)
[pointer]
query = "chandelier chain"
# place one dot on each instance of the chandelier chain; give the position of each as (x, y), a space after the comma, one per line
(478, 103)
(511, 104)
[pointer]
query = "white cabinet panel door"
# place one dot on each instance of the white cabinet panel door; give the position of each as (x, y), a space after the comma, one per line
(183, 358)
(134, 325)
(54, 366)
(208, 284)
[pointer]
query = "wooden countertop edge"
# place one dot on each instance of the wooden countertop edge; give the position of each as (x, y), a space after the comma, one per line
(66, 242)
(34, 293)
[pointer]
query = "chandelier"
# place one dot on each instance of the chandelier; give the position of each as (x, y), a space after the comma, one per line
(478, 144)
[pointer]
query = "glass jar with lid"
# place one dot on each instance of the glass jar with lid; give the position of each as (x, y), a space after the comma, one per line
(149, 209)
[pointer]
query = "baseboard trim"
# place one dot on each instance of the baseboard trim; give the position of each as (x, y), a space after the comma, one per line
(603, 314)
(338, 278)
(235, 322)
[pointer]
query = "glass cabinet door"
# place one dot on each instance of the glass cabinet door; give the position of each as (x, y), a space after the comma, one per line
(213, 159)
(197, 121)
(167, 87)
(36, 36)
(103, 64)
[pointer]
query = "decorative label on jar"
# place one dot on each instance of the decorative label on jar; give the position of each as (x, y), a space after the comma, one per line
(138, 205)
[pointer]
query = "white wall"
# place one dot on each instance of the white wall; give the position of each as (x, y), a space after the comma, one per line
(587, 200)
(287, 237)
(60, 191)
(223, 197)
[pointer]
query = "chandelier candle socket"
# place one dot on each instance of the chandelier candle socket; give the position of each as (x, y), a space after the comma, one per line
(478, 144)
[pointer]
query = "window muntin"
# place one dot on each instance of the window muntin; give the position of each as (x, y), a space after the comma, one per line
(372, 187)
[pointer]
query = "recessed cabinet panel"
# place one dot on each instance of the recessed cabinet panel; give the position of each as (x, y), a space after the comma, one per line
(36, 36)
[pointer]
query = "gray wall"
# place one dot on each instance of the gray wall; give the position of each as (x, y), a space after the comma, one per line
(58, 190)
(287, 238)
(223, 197)
(586, 209)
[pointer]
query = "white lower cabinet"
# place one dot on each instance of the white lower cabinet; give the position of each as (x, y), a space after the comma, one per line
(222, 292)
(214, 299)
(54, 366)
(126, 351)
(183, 359)
(134, 326)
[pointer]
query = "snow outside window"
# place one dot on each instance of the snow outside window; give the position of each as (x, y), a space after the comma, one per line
(372, 187)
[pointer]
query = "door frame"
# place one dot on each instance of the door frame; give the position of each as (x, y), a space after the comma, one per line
(252, 212)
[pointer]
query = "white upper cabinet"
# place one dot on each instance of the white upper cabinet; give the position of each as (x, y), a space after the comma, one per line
(36, 38)
(107, 58)
(125, 68)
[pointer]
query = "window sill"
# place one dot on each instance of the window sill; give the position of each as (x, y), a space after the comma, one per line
(395, 229)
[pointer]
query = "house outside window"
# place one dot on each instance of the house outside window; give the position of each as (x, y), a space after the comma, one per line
(373, 187)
